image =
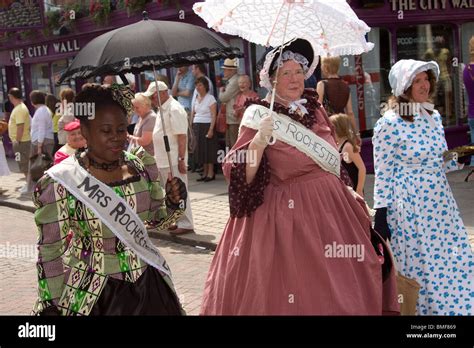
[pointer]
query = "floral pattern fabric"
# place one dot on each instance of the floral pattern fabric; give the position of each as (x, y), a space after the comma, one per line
(429, 240)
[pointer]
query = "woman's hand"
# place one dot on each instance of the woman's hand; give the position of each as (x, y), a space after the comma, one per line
(265, 130)
(210, 133)
(176, 193)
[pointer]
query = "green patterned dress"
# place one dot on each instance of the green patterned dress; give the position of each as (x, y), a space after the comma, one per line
(83, 268)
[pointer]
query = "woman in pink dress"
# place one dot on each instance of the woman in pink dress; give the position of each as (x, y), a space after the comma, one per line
(298, 241)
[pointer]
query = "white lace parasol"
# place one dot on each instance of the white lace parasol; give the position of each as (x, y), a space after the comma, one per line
(331, 25)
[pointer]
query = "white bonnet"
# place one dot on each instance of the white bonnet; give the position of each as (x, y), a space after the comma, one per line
(404, 71)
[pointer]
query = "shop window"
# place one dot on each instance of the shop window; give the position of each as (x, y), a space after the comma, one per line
(433, 42)
(40, 77)
(367, 76)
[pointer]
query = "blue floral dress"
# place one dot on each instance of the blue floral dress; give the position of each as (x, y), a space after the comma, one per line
(429, 240)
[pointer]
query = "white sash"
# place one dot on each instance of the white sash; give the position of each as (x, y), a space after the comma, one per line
(111, 209)
(296, 135)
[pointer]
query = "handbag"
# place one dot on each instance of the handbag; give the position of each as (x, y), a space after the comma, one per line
(408, 290)
(221, 122)
(39, 164)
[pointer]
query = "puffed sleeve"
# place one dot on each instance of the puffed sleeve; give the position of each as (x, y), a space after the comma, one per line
(52, 220)
(385, 142)
(244, 198)
(161, 216)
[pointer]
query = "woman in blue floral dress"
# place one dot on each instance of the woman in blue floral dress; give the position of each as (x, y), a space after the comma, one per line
(415, 205)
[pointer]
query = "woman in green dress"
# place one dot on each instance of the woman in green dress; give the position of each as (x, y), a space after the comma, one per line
(103, 195)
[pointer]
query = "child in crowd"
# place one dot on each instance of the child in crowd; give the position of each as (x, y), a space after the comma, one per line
(351, 159)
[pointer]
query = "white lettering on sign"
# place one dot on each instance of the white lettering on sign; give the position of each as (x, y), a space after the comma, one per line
(42, 50)
(425, 5)
(463, 3)
(401, 41)
(65, 47)
(17, 54)
(37, 51)
(432, 4)
(403, 5)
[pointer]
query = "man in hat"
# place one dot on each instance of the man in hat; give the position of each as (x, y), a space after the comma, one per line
(227, 95)
(75, 141)
(19, 132)
(176, 126)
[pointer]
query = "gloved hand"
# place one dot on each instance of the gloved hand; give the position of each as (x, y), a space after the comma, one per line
(265, 130)
(381, 225)
(176, 194)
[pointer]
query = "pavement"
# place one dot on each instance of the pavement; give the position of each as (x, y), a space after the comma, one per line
(18, 255)
(189, 256)
(209, 202)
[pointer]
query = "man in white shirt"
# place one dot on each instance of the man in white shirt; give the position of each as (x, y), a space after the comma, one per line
(176, 125)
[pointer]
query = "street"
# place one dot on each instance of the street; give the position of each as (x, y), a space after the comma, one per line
(18, 276)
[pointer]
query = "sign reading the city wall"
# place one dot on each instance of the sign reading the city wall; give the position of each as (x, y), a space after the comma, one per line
(413, 5)
(21, 14)
(42, 50)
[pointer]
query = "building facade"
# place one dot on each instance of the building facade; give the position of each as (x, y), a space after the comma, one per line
(436, 30)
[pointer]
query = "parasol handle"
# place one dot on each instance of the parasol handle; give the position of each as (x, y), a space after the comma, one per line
(272, 140)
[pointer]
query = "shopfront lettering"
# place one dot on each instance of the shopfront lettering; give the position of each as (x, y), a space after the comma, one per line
(44, 50)
(403, 5)
(404, 41)
(17, 54)
(426, 5)
(463, 3)
(432, 4)
(37, 51)
(64, 47)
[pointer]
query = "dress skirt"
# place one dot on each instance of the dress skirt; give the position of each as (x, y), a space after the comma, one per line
(149, 295)
(286, 258)
(205, 149)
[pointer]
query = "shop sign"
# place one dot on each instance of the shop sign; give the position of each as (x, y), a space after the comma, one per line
(413, 5)
(45, 50)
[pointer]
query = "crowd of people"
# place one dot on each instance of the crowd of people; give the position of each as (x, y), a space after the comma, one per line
(290, 201)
